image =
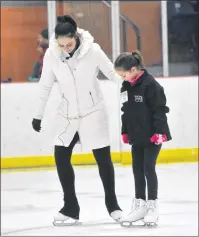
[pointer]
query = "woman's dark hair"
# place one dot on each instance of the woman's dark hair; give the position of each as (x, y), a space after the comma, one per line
(66, 26)
(128, 60)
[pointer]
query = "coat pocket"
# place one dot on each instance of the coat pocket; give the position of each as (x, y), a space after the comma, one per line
(63, 107)
(92, 98)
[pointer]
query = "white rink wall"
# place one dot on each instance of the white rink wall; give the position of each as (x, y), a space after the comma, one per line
(18, 104)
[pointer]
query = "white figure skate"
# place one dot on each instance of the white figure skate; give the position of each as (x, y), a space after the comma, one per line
(62, 220)
(151, 218)
(136, 215)
(116, 215)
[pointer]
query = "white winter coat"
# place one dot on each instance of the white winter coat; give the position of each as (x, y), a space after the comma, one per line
(82, 107)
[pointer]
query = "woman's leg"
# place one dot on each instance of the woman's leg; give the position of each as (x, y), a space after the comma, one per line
(107, 175)
(67, 178)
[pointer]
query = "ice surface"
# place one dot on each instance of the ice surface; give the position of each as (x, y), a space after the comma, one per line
(30, 199)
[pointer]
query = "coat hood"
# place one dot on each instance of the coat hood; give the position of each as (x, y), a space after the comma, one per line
(86, 40)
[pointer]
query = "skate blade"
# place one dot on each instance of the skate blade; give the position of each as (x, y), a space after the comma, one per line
(62, 223)
(138, 223)
(151, 224)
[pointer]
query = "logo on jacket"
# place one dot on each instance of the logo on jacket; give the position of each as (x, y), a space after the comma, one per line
(138, 98)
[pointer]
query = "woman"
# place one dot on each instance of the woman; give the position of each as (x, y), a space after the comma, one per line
(73, 59)
(145, 128)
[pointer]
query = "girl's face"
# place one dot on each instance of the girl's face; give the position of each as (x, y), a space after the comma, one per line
(66, 43)
(128, 75)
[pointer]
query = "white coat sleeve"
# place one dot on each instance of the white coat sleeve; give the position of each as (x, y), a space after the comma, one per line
(106, 66)
(45, 86)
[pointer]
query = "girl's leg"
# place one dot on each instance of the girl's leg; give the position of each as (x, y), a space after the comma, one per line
(138, 171)
(138, 207)
(151, 153)
(150, 156)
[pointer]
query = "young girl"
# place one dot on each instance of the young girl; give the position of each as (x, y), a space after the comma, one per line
(145, 128)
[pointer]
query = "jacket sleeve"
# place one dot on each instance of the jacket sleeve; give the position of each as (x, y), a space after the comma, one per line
(45, 86)
(106, 66)
(157, 101)
(124, 129)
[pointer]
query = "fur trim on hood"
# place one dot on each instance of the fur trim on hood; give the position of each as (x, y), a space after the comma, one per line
(86, 40)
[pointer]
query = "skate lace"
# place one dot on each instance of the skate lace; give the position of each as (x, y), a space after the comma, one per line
(135, 205)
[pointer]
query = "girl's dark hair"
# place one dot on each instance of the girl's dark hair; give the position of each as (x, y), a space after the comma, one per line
(128, 60)
(66, 26)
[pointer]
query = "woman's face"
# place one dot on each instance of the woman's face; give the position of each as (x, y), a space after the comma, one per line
(127, 75)
(66, 43)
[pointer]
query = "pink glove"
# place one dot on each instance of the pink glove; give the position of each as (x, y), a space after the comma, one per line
(158, 138)
(125, 138)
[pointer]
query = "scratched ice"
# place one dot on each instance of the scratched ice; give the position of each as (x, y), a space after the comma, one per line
(30, 199)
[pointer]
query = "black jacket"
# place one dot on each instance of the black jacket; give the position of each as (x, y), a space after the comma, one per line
(144, 110)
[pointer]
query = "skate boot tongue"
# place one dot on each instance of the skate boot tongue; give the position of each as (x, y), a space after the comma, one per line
(151, 218)
(137, 204)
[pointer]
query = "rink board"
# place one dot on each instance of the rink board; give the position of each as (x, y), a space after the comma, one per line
(124, 158)
(22, 147)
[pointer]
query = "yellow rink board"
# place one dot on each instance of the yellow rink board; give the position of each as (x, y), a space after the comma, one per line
(124, 158)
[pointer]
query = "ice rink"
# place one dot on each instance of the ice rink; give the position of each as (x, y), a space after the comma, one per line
(29, 200)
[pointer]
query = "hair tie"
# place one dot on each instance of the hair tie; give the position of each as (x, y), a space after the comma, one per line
(136, 55)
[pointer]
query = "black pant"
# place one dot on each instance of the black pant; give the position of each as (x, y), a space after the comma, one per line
(144, 162)
(67, 178)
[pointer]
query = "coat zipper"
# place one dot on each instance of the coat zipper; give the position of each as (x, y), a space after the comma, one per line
(76, 93)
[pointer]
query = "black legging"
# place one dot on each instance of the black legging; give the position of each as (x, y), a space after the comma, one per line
(67, 178)
(144, 162)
